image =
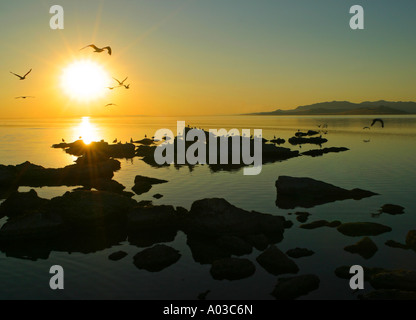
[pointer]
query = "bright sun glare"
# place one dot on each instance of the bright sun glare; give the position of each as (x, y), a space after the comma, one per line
(85, 80)
(86, 131)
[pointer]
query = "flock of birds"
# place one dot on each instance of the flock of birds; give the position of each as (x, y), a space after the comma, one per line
(96, 49)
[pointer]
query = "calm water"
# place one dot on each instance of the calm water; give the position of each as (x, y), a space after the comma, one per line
(384, 164)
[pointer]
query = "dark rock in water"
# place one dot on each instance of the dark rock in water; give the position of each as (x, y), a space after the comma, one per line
(278, 141)
(145, 203)
(359, 229)
(365, 248)
(395, 244)
(276, 262)
(100, 148)
(319, 224)
(115, 256)
(289, 288)
(156, 258)
(153, 216)
(21, 203)
(143, 184)
(306, 192)
(31, 226)
(157, 196)
(90, 207)
(344, 272)
(234, 245)
(411, 239)
(232, 269)
(205, 251)
(392, 209)
(299, 252)
(302, 216)
(145, 142)
(302, 140)
(203, 295)
(306, 134)
(320, 152)
(258, 241)
(394, 279)
(388, 295)
(217, 217)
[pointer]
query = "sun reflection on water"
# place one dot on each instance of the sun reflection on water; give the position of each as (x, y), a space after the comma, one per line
(86, 131)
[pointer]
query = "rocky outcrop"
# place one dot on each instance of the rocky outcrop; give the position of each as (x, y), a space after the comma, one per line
(21, 203)
(143, 184)
(118, 255)
(359, 229)
(276, 262)
(365, 248)
(303, 140)
(156, 258)
(392, 209)
(290, 288)
(232, 269)
(164, 216)
(101, 148)
(319, 224)
(320, 152)
(299, 252)
(306, 192)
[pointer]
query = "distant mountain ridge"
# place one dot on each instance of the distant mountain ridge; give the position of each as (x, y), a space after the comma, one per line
(349, 108)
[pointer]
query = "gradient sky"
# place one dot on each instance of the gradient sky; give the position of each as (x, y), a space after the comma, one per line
(199, 57)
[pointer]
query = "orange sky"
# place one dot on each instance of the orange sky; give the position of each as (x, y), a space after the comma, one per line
(192, 58)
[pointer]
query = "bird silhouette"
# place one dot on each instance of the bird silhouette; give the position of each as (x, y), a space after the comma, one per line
(378, 120)
(24, 97)
(115, 140)
(366, 128)
(110, 104)
(121, 83)
(98, 49)
(127, 86)
(21, 78)
(63, 140)
(111, 88)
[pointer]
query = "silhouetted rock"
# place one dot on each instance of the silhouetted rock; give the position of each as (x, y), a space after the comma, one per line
(145, 141)
(232, 269)
(90, 207)
(234, 245)
(31, 226)
(299, 252)
(156, 258)
(306, 192)
(115, 256)
(157, 196)
(319, 224)
(365, 248)
(358, 229)
(303, 140)
(144, 238)
(394, 279)
(153, 217)
(143, 184)
(392, 209)
(387, 294)
(217, 217)
(278, 141)
(258, 241)
(306, 134)
(100, 149)
(289, 288)
(320, 152)
(395, 244)
(276, 262)
(205, 250)
(302, 216)
(21, 203)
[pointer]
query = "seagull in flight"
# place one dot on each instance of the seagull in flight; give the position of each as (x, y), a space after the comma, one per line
(24, 97)
(378, 120)
(98, 49)
(21, 78)
(366, 128)
(127, 86)
(110, 104)
(120, 83)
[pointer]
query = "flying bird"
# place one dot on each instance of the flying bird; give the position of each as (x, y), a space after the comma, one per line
(24, 97)
(111, 88)
(378, 120)
(99, 49)
(110, 104)
(127, 86)
(121, 83)
(366, 128)
(21, 78)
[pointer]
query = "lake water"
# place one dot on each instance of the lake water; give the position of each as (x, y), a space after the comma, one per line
(380, 160)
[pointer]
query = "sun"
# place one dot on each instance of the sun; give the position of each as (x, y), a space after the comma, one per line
(85, 80)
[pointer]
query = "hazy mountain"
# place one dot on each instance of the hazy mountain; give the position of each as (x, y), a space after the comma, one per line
(349, 108)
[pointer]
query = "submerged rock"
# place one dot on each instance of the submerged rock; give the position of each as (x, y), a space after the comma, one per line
(293, 287)
(302, 216)
(276, 262)
(156, 258)
(306, 192)
(143, 184)
(358, 229)
(232, 269)
(299, 252)
(365, 248)
(392, 209)
(115, 256)
(319, 224)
